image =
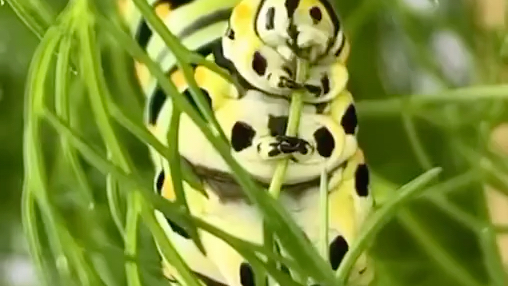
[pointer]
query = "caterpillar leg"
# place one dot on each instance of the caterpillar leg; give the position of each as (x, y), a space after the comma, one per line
(242, 221)
(281, 146)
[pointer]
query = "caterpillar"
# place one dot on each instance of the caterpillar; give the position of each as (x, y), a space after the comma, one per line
(254, 115)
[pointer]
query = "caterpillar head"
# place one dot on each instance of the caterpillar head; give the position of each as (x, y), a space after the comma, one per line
(263, 38)
(310, 28)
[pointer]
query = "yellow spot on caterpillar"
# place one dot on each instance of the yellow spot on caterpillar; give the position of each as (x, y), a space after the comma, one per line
(178, 79)
(200, 74)
(142, 73)
(152, 129)
(353, 162)
(219, 90)
(122, 7)
(162, 10)
(242, 12)
(167, 188)
(339, 105)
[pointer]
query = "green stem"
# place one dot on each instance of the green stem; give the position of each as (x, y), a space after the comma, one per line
(92, 72)
(167, 249)
(174, 156)
(496, 269)
(279, 174)
(455, 212)
(112, 192)
(38, 27)
(176, 171)
(295, 111)
(131, 238)
(149, 139)
(416, 144)
(395, 105)
(62, 90)
(293, 121)
(30, 226)
(492, 257)
(61, 241)
(35, 176)
(130, 180)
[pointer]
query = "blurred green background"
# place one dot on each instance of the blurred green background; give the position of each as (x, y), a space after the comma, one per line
(399, 48)
(17, 44)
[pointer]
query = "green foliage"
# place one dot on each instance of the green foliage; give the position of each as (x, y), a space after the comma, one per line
(87, 200)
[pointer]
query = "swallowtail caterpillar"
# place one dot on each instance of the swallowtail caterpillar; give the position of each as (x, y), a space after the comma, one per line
(254, 122)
